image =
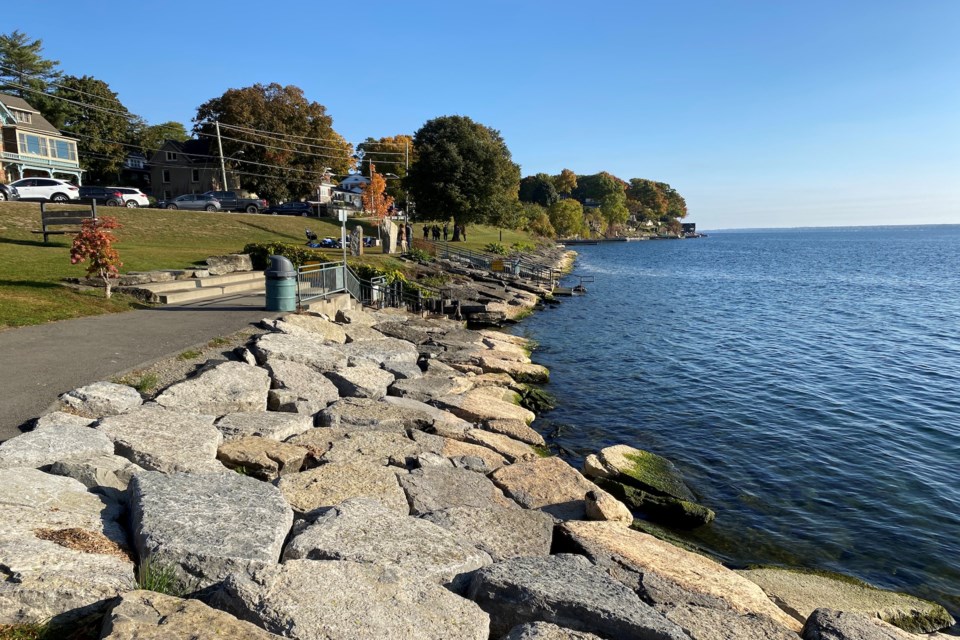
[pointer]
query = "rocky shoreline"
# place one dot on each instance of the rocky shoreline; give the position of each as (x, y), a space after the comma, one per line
(370, 476)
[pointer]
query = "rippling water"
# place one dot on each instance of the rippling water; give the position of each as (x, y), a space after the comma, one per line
(806, 382)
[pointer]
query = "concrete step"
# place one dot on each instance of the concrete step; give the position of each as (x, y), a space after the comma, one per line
(208, 293)
(202, 283)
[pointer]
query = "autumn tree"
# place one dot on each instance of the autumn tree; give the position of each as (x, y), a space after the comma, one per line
(393, 154)
(566, 216)
(464, 170)
(540, 225)
(594, 224)
(374, 196)
(24, 72)
(539, 189)
(565, 182)
(93, 113)
(279, 141)
(94, 244)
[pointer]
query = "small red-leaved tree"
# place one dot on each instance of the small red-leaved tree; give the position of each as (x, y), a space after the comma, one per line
(95, 243)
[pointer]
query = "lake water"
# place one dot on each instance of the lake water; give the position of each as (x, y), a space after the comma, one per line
(806, 382)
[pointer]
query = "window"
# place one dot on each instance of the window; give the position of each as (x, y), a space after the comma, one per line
(195, 175)
(166, 175)
(171, 156)
(166, 194)
(23, 116)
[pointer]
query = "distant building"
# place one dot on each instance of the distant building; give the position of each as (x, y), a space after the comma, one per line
(179, 168)
(31, 147)
(689, 227)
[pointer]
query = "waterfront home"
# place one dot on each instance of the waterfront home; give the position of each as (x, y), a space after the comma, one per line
(32, 147)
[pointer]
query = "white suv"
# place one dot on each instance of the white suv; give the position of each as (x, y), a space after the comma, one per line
(132, 198)
(46, 189)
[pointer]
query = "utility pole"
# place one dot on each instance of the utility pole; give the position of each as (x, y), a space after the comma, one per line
(223, 167)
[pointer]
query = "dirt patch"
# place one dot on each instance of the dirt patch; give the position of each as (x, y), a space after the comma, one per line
(83, 540)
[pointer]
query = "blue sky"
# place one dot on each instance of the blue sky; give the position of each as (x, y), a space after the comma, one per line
(761, 113)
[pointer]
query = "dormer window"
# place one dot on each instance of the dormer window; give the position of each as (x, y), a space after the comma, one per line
(171, 156)
(24, 117)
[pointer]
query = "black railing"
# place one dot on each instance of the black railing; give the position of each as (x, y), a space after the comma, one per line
(517, 265)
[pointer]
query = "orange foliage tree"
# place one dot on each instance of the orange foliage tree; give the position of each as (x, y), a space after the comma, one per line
(94, 243)
(374, 197)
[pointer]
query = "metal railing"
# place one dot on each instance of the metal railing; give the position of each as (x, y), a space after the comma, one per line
(517, 265)
(319, 281)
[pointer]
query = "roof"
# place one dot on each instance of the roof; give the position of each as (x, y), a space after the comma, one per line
(193, 151)
(39, 122)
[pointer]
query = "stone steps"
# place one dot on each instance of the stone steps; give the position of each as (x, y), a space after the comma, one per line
(193, 289)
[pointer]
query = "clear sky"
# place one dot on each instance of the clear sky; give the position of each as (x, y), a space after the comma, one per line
(762, 113)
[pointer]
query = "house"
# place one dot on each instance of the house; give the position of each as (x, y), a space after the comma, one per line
(136, 172)
(30, 146)
(178, 168)
(350, 191)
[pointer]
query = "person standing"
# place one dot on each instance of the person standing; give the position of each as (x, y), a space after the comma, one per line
(409, 237)
(426, 232)
(446, 231)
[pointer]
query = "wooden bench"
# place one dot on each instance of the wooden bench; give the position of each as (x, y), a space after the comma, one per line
(64, 218)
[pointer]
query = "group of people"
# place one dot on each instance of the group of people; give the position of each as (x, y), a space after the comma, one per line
(434, 231)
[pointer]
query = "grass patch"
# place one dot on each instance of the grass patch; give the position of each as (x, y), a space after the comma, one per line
(189, 354)
(161, 578)
(23, 631)
(143, 383)
(219, 341)
(542, 451)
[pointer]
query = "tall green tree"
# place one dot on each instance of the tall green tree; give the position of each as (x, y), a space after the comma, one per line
(24, 72)
(538, 189)
(464, 170)
(279, 142)
(565, 182)
(566, 216)
(93, 113)
(149, 138)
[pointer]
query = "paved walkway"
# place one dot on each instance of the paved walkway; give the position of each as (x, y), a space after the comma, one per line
(39, 363)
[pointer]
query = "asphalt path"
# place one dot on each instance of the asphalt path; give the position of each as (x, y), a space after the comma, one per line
(39, 363)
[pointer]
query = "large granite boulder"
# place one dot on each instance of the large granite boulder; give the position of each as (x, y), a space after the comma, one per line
(167, 441)
(221, 265)
(360, 333)
(548, 484)
(311, 351)
(147, 615)
(519, 371)
(379, 352)
(62, 549)
(826, 624)
(366, 446)
(333, 483)
(648, 483)
(569, 591)
(643, 563)
(604, 507)
(356, 601)
(361, 382)
(547, 631)
(478, 405)
(101, 399)
(433, 488)
(502, 533)
(357, 317)
(227, 388)
(262, 457)
(516, 429)
(299, 388)
(263, 424)
(442, 423)
(329, 331)
(457, 450)
(61, 418)
(43, 447)
(799, 593)
(206, 527)
(366, 413)
(107, 474)
(512, 450)
(363, 530)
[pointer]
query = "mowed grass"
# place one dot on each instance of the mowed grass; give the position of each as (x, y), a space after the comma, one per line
(32, 273)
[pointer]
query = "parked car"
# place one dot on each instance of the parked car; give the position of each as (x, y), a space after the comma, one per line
(46, 189)
(192, 202)
(105, 196)
(8, 193)
(133, 198)
(291, 209)
(230, 201)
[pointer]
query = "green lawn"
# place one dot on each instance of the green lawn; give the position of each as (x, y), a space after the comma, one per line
(31, 272)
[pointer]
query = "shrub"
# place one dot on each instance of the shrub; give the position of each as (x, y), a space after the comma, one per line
(420, 255)
(162, 578)
(523, 247)
(260, 253)
(94, 244)
(497, 248)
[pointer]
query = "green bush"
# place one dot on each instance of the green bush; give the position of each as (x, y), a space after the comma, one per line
(420, 255)
(523, 247)
(260, 253)
(497, 248)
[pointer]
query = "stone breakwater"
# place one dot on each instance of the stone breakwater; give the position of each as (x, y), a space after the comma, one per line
(365, 478)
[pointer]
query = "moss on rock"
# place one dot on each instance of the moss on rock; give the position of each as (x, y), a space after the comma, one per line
(663, 509)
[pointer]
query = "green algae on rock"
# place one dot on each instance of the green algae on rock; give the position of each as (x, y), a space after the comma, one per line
(663, 509)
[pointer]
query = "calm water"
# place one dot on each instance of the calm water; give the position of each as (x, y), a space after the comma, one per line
(806, 382)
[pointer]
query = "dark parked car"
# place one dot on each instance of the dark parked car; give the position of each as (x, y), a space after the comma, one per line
(102, 196)
(8, 193)
(191, 201)
(291, 209)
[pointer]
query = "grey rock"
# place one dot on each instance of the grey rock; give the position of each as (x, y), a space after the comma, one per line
(569, 591)
(43, 447)
(367, 446)
(161, 440)
(480, 405)
(360, 333)
(826, 624)
(295, 384)
(102, 473)
(356, 601)
(101, 399)
(318, 326)
(265, 424)
(61, 418)
(516, 429)
(363, 530)
(548, 484)
(429, 388)
(147, 615)
(207, 526)
(379, 352)
(44, 574)
(502, 533)
(712, 623)
(403, 370)
(463, 454)
(512, 450)
(361, 382)
(335, 482)
(221, 265)
(442, 423)
(227, 388)
(356, 317)
(245, 355)
(308, 350)
(433, 488)
(547, 631)
(365, 413)
(262, 457)
(408, 331)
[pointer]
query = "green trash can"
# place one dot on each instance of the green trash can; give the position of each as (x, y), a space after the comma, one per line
(281, 280)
